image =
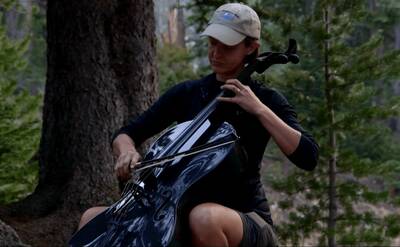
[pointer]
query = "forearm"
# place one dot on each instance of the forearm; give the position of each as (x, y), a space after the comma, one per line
(295, 143)
(284, 136)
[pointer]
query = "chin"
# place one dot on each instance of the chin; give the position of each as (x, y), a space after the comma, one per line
(218, 70)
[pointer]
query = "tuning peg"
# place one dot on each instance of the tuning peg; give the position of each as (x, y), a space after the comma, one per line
(293, 58)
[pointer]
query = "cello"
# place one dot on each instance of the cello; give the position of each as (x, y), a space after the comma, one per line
(155, 201)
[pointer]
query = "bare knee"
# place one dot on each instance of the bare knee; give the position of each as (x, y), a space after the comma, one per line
(89, 214)
(212, 224)
(205, 226)
(202, 217)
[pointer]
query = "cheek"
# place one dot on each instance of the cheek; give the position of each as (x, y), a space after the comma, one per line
(211, 48)
(209, 52)
(240, 57)
(209, 56)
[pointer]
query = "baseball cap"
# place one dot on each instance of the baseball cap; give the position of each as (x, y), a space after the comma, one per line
(232, 22)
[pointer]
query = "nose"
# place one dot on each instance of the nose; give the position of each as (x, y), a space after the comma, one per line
(216, 51)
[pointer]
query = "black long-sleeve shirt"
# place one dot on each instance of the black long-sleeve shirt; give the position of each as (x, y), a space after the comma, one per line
(185, 100)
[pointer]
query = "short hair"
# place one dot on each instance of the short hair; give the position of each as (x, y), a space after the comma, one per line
(247, 42)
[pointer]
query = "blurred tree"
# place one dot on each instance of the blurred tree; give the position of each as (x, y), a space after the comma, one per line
(335, 89)
(19, 119)
(26, 18)
(336, 93)
(34, 76)
(101, 71)
(174, 66)
(19, 128)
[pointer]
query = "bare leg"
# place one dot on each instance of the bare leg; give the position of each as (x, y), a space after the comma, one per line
(215, 225)
(89, 215)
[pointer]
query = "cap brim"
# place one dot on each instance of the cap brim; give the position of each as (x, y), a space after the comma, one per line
(224, 34)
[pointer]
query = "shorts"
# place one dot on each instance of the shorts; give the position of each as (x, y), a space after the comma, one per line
(257, 232)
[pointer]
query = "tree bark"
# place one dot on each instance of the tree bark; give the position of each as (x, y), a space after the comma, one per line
(395, 121)
(100, 72)
(180, 27)
(332, 138)
(19, 23)
(8, 237)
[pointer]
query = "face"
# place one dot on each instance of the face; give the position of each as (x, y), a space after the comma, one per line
(227, 61)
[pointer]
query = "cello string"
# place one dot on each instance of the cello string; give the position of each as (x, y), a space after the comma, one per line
(127, 190)
(131, 195)
(125, 194)
(131, 192)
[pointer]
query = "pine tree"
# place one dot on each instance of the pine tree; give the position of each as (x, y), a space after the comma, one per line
(340, 91)
(173, 66)
(19, 123)
(335, 89)
(34, 76)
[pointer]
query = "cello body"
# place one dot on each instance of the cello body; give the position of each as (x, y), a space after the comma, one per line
(151, 216)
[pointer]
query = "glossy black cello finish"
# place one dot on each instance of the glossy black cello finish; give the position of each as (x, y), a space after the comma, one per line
(147, 213)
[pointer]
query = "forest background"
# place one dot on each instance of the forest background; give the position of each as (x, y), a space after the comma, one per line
(345, 89)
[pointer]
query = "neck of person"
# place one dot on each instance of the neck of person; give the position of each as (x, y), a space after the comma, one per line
(226, 76)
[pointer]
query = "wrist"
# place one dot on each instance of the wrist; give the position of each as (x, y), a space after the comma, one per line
(261, 111)
(123, 144)
(125, 151)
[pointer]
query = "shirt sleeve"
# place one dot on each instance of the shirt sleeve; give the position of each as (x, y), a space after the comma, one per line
(306, 154)
(155, 119)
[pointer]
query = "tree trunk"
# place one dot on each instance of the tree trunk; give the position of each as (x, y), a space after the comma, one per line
(8, 237)
(332, 139)
(100, 72)
(180, 27)
(19, 23)
(395, 121)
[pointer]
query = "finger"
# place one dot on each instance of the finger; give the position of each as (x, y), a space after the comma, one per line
(119, 167)
(135, 158)
(126, 168)
(125, 164)
(120, 173)
(232, 88)
(235, 82)
(133, 165)
(226, 99)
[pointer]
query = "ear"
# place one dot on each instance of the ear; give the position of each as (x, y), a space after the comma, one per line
(252, 47)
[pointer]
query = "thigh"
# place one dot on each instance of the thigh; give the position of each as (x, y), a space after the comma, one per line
(89, 214)
(93, 224)
(256, 231)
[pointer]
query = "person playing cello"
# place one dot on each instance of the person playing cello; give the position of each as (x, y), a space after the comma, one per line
(233, 39)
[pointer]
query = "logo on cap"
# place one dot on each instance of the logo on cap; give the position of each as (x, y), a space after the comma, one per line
(226, 16)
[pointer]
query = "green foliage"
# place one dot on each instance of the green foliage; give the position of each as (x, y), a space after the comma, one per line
(357, 91)
(19, 124)
(5, 4)
(33, 76)
(362, 68)
(174, 66)
(30, 22)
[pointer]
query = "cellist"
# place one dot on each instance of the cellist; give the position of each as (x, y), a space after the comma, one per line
(233, 39)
